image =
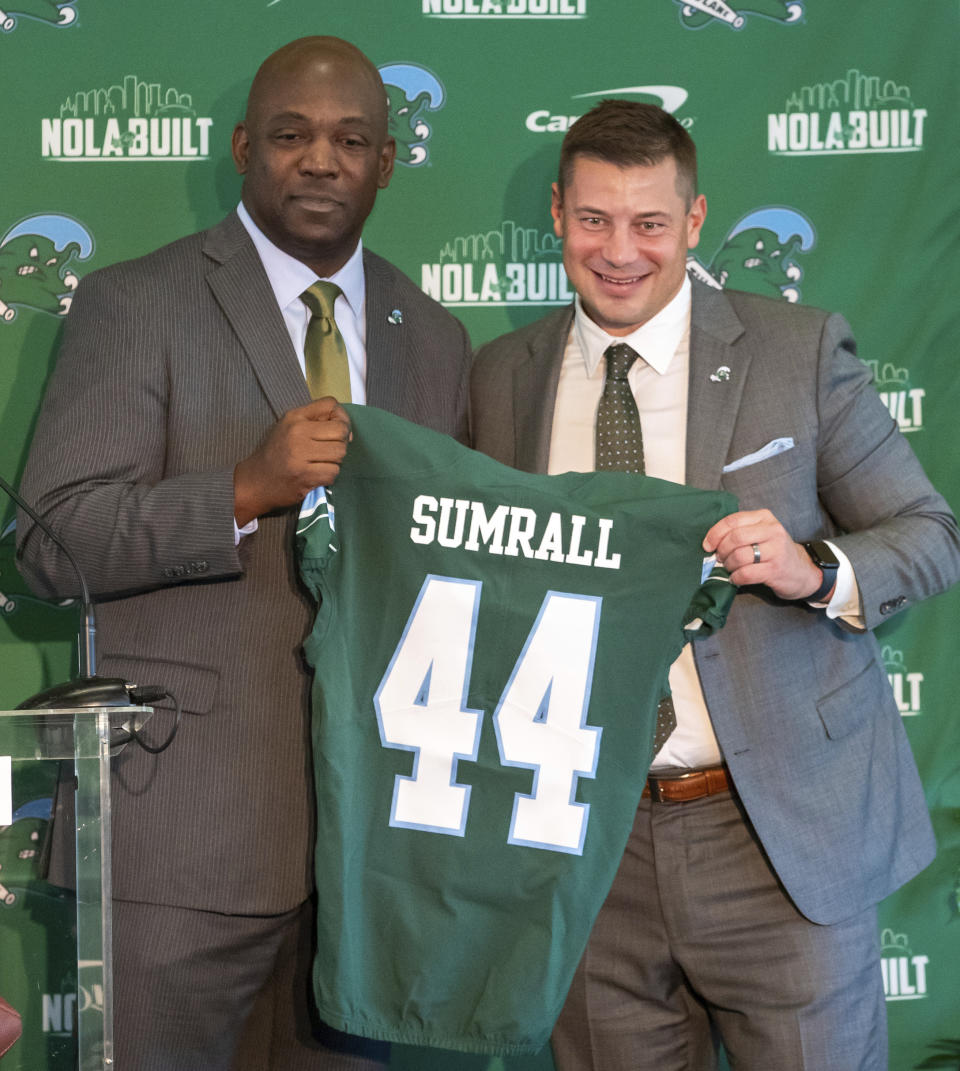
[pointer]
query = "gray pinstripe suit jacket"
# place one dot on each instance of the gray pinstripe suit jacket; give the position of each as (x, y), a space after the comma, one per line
(172, 368)
(802, 710)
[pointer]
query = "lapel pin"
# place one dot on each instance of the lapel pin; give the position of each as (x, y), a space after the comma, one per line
(395, 317)
(721, 375)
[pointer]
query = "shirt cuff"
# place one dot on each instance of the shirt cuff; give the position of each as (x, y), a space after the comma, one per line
(845, 602)
(247, 529)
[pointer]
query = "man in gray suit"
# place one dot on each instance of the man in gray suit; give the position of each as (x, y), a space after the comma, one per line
(785, 804)
(176, 441)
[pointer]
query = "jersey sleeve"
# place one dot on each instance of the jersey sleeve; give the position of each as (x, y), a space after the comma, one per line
(711, 602)
(316, 537)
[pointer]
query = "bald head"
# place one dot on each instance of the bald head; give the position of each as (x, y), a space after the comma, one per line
(323, 56)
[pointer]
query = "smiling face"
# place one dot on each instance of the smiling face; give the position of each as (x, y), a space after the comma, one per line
(626, 232)
(314, 150)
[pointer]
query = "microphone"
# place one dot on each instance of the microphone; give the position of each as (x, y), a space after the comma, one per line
(89, 690)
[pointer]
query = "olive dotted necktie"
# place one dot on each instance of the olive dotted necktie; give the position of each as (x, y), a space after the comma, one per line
(324, 351)
(619, 446)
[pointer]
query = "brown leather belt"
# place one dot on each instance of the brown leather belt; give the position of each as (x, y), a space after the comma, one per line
(689, 786)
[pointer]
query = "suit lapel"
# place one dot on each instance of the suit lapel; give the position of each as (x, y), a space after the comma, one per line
(241, 288)
(718, 372)
(535, 380)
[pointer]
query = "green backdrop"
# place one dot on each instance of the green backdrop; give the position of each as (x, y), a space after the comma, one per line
(829, 157)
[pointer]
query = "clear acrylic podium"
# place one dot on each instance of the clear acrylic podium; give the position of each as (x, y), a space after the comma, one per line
(61, 1029)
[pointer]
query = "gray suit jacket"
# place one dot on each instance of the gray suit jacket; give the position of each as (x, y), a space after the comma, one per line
(172, 369)
(801, 708)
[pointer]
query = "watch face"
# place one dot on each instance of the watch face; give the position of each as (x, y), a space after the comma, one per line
(822, 555)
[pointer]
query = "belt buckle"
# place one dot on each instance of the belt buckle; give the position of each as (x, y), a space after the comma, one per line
(653, 785)
(653, 782)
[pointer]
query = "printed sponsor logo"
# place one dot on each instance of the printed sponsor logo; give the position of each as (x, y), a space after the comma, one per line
(556, 121)
(511, 265)
(695, 14)
(36, 258)
(904, 401)
(412, 93)
(504, 9)
(856, 114)
(131, 120)
(48, 11)
(760, 254)
(905, 685)
(904, 974)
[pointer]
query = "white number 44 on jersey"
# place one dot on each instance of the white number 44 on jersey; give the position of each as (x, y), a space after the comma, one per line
(540, 720)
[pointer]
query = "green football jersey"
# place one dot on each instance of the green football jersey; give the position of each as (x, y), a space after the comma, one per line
(489, 651)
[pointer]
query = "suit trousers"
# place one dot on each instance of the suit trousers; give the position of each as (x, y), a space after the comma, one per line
(202, 991)
(697, 944)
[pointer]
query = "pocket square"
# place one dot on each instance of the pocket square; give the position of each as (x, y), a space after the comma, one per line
(774, 447)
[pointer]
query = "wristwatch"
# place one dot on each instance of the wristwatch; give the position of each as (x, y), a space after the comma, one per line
(826, 561)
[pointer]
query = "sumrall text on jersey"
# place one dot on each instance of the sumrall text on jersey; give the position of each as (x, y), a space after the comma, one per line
(513, 531)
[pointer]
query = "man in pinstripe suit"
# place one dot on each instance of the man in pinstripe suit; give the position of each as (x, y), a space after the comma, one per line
(175, 443)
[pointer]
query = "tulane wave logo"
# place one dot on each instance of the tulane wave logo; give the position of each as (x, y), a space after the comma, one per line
(35, 258)
(695, 14)
(759, 254)
(412, 92)
(57, 14)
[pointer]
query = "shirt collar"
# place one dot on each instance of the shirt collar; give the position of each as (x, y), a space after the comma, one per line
(289, 277)
(656, 341)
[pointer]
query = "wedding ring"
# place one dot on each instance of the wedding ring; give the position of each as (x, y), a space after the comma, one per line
(756, 553)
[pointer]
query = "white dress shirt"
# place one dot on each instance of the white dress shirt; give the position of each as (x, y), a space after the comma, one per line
(658, 380)
(289, 278)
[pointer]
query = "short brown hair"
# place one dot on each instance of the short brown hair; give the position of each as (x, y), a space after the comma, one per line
(629, 133)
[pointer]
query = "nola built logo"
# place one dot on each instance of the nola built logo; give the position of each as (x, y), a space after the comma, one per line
(905, 685)
(35, 264)
(504, 9)
(412, 92)
(695, 14)
(904, 401)
(49, 11)
(760, 254)
(130, 120)
(855, 114)
(511, 265)
(904, 974)
(60, 1011)
(557, 121)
